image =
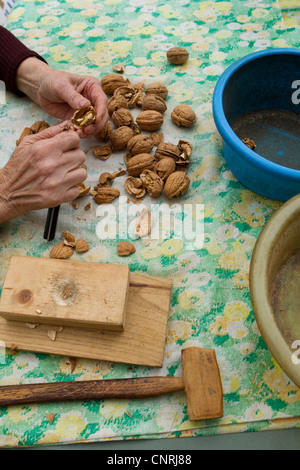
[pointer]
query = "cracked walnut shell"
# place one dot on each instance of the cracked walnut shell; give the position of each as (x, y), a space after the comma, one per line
(176, 184)
(106, 195)
(165, 167)
(103, 152)
(130, 93)
(105, 132)
(61, 251)
(84, 117)
(134, 187)
(125, 248)
(152, 182)
(166, 149)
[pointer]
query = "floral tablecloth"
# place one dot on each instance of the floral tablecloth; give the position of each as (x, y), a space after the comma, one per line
(210, 304)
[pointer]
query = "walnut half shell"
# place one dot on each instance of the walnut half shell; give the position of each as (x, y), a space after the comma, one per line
(84, 117)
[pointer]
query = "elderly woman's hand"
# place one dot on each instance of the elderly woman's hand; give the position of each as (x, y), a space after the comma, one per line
(42, 172)
(61, 93)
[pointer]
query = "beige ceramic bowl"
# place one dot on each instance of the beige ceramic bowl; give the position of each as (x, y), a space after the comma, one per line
(275, 286)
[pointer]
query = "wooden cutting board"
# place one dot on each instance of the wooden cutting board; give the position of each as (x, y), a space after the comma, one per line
(142, 342)
(65, 292)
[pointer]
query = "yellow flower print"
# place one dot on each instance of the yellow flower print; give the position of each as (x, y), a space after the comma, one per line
(258, 411)
(17, 414)
(191, 299)
(236, 311)
(158, 56)
(60, 54)
(213, 246)
(112, 2)
(103, 20)
(70, 425)
(35, 33)
(168, 12)
(242, 19)
(121, 48)
(218, 56)
(49, 20)
(223, 34)
(151, 251)
(30, 25)
(244, 243)
(234, 384)
(213, 70)
(173, 30)
(113, 409)
(237, 330)
(178, 331)
(241, 279)
(171, 247)
(201, 45)
(252, 208)
(16, 14)
(280, 42)
(140, 61)
(232, 260)
(260, 13)
(208, 167)
(180, 92)
(219, 326)
(89, 12)
(278, 382)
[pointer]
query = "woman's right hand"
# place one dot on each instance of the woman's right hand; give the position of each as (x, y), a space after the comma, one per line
(42, 172)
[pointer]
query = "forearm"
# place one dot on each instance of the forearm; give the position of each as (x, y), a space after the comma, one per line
(12, 54)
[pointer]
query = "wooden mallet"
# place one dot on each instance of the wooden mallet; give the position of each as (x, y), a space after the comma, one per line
(201, 382)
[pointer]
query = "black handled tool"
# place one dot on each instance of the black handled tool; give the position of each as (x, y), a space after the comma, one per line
(51, 223)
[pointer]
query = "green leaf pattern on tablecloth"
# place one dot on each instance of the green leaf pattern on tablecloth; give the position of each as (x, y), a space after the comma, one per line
(210, 304)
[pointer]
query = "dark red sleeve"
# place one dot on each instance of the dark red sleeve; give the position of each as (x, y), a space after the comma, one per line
(12, 53)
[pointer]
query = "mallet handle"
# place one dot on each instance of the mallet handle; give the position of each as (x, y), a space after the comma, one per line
(89, 390)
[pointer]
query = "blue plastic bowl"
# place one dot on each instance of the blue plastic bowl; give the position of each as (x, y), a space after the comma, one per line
(262, 80)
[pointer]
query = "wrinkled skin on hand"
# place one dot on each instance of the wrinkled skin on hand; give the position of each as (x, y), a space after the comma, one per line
(42, 172)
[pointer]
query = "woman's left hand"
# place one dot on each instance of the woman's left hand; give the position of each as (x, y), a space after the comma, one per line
(62, 93)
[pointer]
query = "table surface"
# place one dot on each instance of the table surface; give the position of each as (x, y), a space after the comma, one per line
(235, 218)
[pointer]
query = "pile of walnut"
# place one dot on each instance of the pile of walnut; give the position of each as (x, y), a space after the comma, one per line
(165, 170)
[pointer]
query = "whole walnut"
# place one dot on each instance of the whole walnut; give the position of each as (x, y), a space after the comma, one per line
(122, 117)
(137, 164)
(154, 102)
(176, 184)
(111, 82)
(177, 55)
(150, 120)
(140, 143)
(157, 89)
(183, 116)
(120, 137)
